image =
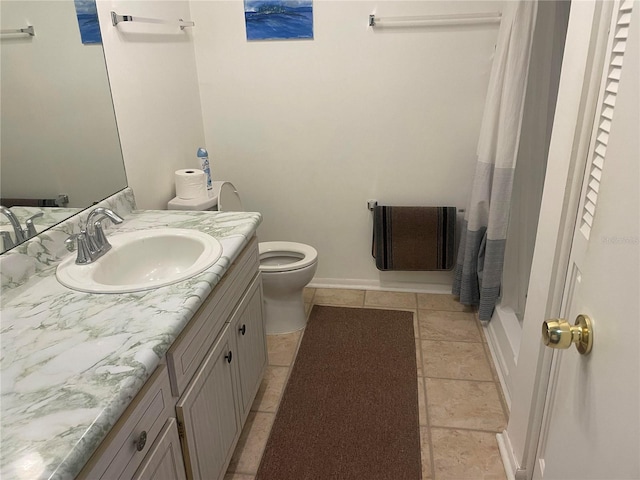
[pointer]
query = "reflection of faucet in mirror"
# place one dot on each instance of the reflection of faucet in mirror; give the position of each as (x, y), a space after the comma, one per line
(31, 228)
(92, 243)
(17, 229)
(20, 234)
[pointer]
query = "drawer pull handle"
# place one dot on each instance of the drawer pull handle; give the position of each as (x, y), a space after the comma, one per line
(229, 356)
(243, 329)
(141, 441)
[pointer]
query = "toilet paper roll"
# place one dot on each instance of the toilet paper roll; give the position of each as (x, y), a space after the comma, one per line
(190, 183)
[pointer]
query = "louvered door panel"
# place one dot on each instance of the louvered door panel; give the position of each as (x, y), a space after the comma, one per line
(605, 112)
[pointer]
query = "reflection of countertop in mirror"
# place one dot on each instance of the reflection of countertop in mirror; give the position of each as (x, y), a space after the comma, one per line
(73, 361)
(51, 216)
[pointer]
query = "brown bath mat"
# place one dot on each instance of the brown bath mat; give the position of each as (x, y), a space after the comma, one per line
(350, 408)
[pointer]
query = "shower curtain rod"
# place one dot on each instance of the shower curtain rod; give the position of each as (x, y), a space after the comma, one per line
(435, 20)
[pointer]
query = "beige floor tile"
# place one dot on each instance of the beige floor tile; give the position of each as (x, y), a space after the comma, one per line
(339, 296)
(248, 452)
(238, 476)
(282, 348)
(460, 454)
(374, 298)
(416, 325)
(307, 309)
(447, 302)
(464, 404)
(425, 453)
(448, 326)
(422, 403)
(308, 294)
(459, 360)
(268, 396)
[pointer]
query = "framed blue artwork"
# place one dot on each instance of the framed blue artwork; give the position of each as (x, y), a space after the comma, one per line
(87, 14)
(278, 19)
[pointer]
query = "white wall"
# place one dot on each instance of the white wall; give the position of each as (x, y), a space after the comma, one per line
(57, 118)
(309, 130)
(155, 93)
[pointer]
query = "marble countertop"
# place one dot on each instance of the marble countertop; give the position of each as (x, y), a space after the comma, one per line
(72, 361)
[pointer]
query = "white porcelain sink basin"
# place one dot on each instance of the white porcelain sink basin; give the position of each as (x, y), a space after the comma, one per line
(143, 260)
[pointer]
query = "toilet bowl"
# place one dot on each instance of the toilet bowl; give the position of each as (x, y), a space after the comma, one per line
(286, 267)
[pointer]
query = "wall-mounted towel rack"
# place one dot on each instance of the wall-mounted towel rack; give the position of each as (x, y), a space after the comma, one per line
(436, 20)
(116, 19)
(28, 30)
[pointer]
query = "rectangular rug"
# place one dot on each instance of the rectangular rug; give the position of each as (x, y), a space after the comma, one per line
(350, 407)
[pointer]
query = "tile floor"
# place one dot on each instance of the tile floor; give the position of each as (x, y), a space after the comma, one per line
(460, 402)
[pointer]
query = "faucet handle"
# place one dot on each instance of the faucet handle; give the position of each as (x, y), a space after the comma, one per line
(31, 228)
(80, 239)
(100, 237)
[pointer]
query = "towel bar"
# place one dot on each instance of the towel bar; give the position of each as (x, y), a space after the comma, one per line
(372, 204)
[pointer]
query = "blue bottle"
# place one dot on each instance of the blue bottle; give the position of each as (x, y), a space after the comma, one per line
(203, 156)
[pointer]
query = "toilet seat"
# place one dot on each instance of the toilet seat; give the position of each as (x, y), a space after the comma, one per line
(287, 256)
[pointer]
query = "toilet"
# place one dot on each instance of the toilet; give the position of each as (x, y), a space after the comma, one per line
(286, 267)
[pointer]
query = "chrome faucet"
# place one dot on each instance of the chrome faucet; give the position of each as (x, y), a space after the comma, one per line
(92, 243)
(17, 229)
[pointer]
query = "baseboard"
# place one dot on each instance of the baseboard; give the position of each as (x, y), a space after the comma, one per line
(506, 454)
(360, 284)
(498, 360)
(503, 335)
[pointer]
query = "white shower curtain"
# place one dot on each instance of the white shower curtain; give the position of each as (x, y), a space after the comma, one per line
(478, 272)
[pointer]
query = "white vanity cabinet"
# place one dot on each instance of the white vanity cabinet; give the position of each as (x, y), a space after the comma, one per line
(212, 374)
(216, 403)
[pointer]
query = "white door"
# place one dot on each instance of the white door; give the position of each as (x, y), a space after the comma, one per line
(591, 425)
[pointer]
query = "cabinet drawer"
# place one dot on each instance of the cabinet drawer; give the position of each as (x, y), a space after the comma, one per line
(190, 348)
(123, 450)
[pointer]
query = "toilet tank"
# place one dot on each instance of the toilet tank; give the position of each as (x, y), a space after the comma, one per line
(223, 197)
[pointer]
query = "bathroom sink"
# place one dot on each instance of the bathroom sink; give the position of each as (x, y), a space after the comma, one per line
(143, 260)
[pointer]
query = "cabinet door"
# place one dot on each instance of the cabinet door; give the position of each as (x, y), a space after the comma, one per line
(164, 460)
(248, 322)
(207, 412)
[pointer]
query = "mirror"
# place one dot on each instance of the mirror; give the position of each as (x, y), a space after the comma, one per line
(60, 150)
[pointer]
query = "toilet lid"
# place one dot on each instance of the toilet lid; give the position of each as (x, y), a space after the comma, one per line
(229, 199)
(285, 256)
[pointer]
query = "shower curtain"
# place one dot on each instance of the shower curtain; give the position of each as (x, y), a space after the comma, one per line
(478, 271)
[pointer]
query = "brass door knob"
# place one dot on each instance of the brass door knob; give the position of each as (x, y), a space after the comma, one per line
(558, 333)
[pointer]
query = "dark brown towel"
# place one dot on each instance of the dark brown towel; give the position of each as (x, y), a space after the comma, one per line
(28, 202)
(414, 238)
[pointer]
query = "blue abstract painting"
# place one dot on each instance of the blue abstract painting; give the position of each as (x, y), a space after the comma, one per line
(87, 14)
(278, 19)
